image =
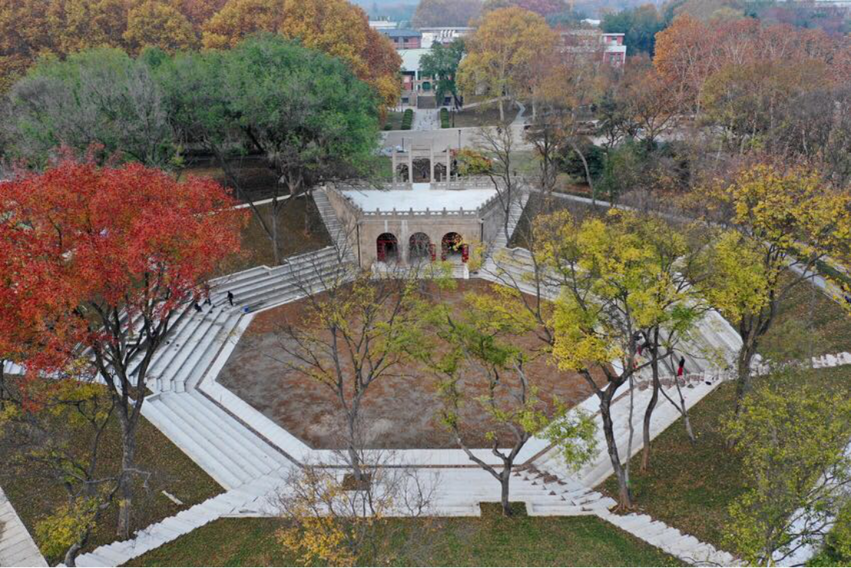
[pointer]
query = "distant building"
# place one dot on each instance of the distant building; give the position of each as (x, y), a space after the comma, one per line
(404, 39)
(443, 36)
(593, 42)
(380, 25)
(417, 89)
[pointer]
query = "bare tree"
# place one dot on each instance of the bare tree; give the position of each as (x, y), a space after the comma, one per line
(357, 330)
(499, 144)
(331, 519)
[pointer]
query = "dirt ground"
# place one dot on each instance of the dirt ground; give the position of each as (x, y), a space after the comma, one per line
(401, 410)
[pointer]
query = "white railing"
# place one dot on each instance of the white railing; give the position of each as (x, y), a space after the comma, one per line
(406, 213)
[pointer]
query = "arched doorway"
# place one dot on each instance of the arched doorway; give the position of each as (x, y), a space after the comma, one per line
(387, 248)
(422, 170)
(440, 172)
(451, 246)
(402, 173)
(419, 248)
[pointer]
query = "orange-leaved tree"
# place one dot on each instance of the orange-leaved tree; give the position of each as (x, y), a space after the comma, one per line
(115, 254)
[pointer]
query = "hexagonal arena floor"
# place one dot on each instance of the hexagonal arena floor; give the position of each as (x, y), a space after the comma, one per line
(401, 411)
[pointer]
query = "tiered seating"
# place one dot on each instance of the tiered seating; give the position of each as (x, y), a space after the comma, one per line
(197, 337)
(683, 546)
(231, 453)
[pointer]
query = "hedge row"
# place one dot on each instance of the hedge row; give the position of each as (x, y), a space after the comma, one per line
(444, 118)
(407, 119)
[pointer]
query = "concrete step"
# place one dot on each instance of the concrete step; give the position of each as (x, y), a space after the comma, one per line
(219, 467)
(217, 436)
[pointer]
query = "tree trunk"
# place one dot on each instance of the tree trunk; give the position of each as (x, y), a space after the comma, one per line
(504, 480)
(274, 227)
(501, 110)
(126, 487)
(2, 382)
(743, 370)
(624, 496)
(588, 180)
(71, 554)
(684, 412)
(631, 430)
(648, 414)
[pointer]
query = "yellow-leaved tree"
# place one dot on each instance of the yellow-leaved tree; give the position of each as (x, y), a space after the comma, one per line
(781, 227)
(480, 351)
(618, 288)
(157, 24)
(502, 54)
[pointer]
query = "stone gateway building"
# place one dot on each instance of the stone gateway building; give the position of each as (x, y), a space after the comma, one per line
(421, 222)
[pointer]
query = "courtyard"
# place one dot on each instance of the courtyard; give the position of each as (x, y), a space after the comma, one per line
(401, 411)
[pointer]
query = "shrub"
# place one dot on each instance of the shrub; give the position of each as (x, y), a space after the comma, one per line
(407, 119)
(444, 118)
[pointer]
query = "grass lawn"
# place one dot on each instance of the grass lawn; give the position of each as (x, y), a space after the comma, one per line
(487, 541)
(691, 486)
(300, 230)
(35, 497)
(540, 204)
(808, 324)
(485, 115)
(393, 120)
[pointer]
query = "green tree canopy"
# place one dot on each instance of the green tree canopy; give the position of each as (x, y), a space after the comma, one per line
(99, 97)
(442, 64)
(306, 112)
(640, 24)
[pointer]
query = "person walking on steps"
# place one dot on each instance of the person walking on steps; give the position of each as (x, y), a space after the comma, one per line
(230, 297)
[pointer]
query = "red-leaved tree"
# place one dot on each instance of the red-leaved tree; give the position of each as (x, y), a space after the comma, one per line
(98, 263)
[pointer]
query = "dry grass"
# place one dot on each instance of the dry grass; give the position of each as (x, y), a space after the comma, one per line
(35, 496)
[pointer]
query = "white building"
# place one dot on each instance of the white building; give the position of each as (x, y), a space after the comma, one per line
(444, 36)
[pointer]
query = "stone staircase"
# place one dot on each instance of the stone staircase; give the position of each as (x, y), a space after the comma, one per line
(565, 496)
(685, 547)
(337, 231)
(230, 503)
(17, 547)
(220, 444)
(515, 212)
(229, 450)
(197, 337)
(459, 492)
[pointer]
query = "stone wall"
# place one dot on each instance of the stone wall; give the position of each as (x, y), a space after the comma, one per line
(365, 227)
(403, 227)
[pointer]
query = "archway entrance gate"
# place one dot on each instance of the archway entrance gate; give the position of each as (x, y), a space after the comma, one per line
(387, 248)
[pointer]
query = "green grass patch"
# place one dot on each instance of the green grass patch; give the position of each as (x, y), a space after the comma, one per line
(487, 541)
(393, 121)
(300, 230)
(484, 115)
(808, 324)
(690, 486)
(35, 496)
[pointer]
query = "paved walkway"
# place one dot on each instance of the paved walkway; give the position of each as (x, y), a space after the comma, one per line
(426, 119)
(17, 547)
